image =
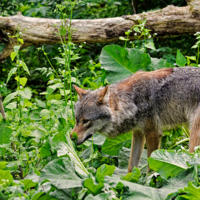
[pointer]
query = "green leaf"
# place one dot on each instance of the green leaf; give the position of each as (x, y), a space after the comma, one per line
(28, 184)
(63, 144)
(10, 97)
(40, 103)
(2, 196)
(25, 67)
(23, 81)
(191, 57)
(98, 139)
(45, 150)
(121, 63)
(93, 188)
(3, 164)
(25, 93)
(55, 86)
(20, 40)
(123, 159)
(150, 45)
(136, 191)
(5, 178)
(102, 196)
(13, 55)
(11, 72)
(168, 163)
(5, 133)
(112, 146)
(104, 170)
(180, 59)
(45, 113)
(159, 64)
(193, 192)
(123, 38)
(16, 49)
(61, 173)
(12, 105)
(133, 176)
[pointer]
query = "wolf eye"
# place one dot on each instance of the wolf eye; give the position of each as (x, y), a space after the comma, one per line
(85, 121)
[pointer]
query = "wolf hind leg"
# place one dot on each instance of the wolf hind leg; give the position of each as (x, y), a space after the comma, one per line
(195, 131)
(137, 146)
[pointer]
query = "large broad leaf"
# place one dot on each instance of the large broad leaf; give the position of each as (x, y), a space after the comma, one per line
(101, 196)
(179, 182)
(169, 163)
(135, 191)
(61, 173)
(122, 62)
(192, 191)
(124, 156)
(158, 64)
(63, 144)
(112, 146)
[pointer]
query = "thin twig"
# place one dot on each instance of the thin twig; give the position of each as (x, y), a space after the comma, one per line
(2, 108)
(134, 11)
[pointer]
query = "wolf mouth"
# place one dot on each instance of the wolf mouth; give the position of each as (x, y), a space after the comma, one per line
(87, 137)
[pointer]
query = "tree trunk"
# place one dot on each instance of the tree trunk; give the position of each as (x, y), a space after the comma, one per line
(169, 21)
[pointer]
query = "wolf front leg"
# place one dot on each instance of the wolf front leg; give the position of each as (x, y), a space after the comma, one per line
(195, 131)
(153, 139)
(137, 146)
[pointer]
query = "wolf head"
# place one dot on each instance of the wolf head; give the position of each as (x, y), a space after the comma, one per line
(92, 112)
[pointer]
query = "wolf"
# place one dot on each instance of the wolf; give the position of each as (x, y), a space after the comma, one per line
(145, 103)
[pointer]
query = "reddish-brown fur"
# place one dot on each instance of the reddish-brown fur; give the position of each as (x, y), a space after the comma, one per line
(140, 76)
(79, 129)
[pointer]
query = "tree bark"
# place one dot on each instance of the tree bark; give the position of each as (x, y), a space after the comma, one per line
(169, 21)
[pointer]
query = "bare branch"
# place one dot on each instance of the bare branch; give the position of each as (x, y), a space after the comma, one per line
(2, 108)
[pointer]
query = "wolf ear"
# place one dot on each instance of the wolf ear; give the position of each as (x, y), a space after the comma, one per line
(80, 91)
(102, 95)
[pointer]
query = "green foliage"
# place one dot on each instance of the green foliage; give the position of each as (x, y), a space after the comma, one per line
(112, 146)
(121, 63)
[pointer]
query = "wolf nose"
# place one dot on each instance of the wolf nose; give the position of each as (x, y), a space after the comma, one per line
(71, 136)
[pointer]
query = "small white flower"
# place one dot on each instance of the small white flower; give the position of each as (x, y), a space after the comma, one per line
(131, 42)
(84, 42)
(21, 87)
(135, 33)
(197, 33)
(149, 36)
(4, 84)
(19, 22)
(8, 33)
(20, 33)
(155, 34)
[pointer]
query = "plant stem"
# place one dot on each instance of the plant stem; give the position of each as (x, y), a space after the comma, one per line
(180, 142)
